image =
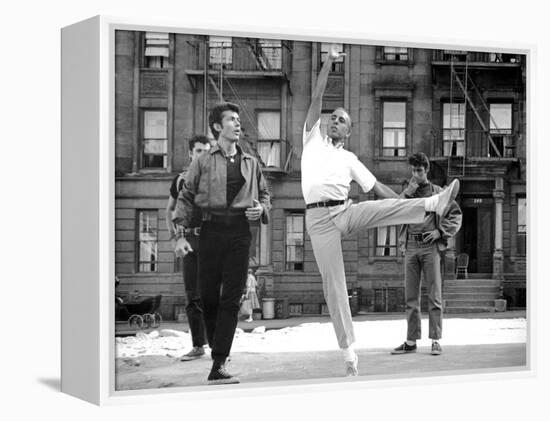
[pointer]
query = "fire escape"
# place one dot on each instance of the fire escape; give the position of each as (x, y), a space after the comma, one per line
(263, 60)
(465, 96)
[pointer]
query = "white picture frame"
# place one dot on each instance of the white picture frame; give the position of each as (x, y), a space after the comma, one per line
(88, 195)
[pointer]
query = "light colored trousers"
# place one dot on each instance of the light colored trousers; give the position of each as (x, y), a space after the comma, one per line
(422, 258)
(327, 226)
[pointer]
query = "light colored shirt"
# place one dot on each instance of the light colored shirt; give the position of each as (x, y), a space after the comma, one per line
(327, 170)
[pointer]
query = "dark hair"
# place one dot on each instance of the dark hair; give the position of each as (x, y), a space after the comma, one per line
(419, 160)
(216, 115)
(198, 139)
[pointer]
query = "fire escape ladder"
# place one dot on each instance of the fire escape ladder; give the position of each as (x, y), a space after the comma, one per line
(464, 90)
(456, 165)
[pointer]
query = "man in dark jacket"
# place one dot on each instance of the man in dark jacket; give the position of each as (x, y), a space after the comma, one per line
(422, 244)
(227, 185)
(197, 146)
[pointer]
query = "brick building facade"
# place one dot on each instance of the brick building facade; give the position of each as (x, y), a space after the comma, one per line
(466, 110)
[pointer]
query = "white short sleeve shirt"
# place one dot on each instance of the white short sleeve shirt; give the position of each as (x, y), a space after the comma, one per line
(327, 170)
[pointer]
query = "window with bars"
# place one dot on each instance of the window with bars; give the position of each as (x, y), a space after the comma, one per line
(221, 51)
(396, 54)
(386, 241)
(394, 128)
(338, 64)
(294, 241)
(453, 129)
(522, 227)
(147, 240)
(269, 137)
(270, 54)
(154, 140)
(157, 50)
(500, 128)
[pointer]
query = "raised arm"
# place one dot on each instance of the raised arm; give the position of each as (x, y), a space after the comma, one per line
(314, 111)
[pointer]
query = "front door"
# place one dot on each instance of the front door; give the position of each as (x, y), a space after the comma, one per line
(476, 235)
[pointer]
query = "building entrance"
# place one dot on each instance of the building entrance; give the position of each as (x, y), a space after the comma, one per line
(476, 237)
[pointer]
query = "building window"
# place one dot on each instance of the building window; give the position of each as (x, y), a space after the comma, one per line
(269, 137)
(148, 240)
(522, 226)
(386, 241)
(269, 54)
(394, 130)
(157, 50)
(294, 242)
(396, 54)
(453, 129)
(338, 64)
(500, 129)
(221, 51)
(155, 141)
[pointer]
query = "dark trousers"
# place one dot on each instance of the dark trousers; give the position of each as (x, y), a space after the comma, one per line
(223, 266)
(423, 259)
(193, 309)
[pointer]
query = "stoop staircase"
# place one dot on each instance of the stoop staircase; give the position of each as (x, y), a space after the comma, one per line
(473, 295)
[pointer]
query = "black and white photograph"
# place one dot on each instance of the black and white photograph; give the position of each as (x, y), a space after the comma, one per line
(274, 210)
(315, 210)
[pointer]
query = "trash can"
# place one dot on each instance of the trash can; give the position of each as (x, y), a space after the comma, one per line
(281, 308)
(268, 308)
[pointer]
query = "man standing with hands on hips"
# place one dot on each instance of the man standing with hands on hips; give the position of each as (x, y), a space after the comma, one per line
(422, 244)
(327, 171)
(228, 186)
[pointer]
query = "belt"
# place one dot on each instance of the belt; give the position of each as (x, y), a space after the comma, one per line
(325, 204)
(192, 231)
(416, 237)
(226, 219)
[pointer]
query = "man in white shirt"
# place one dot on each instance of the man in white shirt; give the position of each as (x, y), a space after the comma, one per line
(327, 171)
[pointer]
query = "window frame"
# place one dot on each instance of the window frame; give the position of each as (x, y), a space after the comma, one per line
(226, 52)
(391, 247)
(165, 155)
(272, 141)
(263, 45)
(397, 54)
(405, 129)
(166, 61)
(502, 137)
(455, 143)
(287, 263)
(139, 241)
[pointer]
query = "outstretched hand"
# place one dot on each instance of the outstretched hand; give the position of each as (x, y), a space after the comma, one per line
(333, 52)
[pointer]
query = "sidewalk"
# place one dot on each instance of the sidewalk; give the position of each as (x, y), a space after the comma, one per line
(122, 328)
(304, 348)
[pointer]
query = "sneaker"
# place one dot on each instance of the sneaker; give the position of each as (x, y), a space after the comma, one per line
(404, 348)
(351, 367)
(436, 348)
(196, 352)
(219, 375)
(447, 196)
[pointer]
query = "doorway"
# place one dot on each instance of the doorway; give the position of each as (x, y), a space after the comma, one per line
(476, 237)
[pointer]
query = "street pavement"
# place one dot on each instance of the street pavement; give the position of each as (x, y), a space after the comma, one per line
(162, 371)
